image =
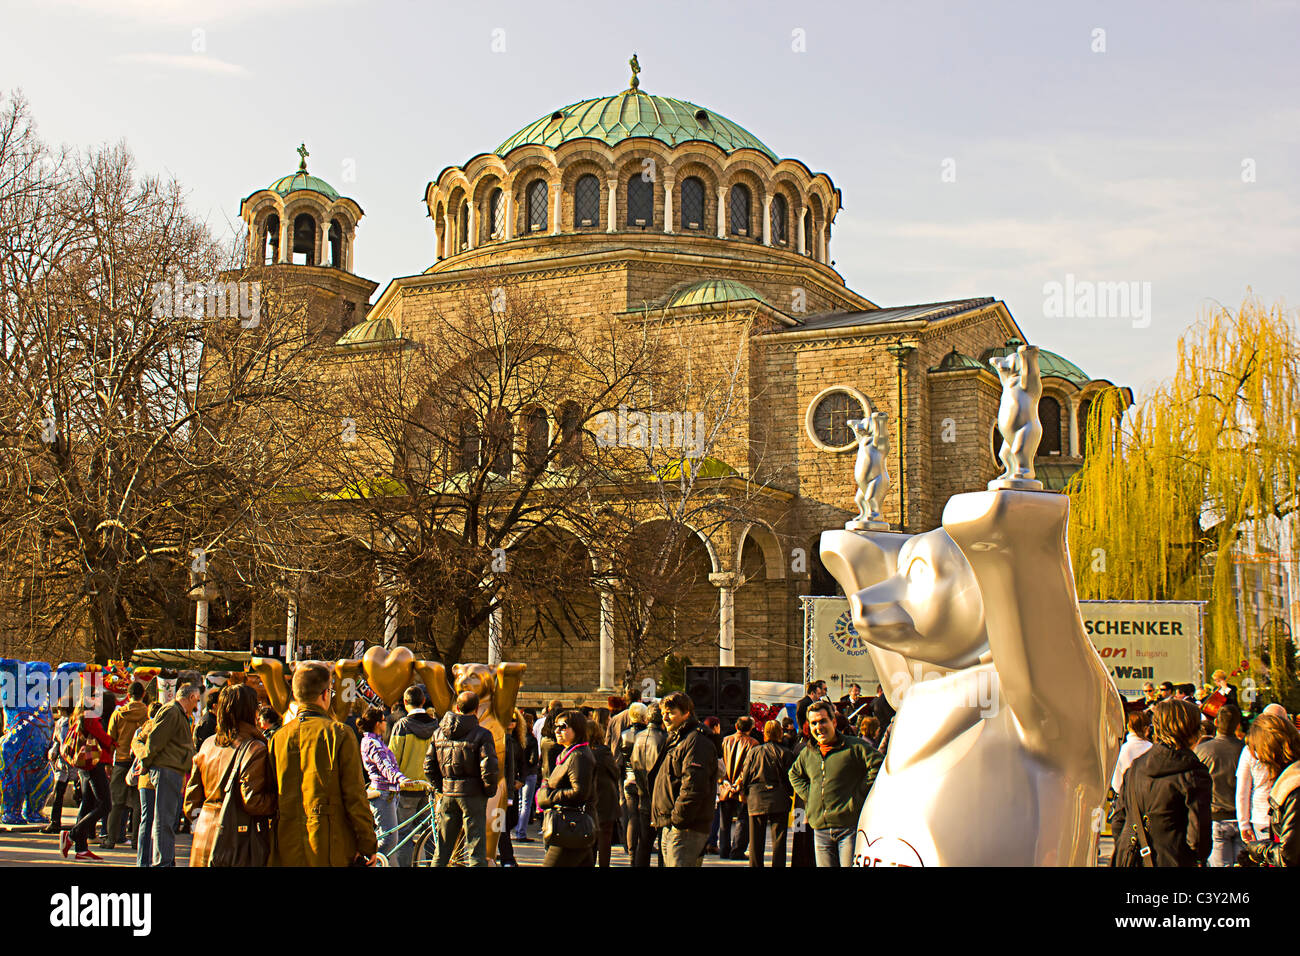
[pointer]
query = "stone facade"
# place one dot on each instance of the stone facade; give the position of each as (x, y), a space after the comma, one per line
(814, 340)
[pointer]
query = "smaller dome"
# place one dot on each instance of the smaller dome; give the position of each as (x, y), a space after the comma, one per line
(955, 361)
(301, 180)
(1050, 365)
(713, 291)
(708, 468)
(376, 331)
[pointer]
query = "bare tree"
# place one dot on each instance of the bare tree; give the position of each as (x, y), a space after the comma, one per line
(150, 411)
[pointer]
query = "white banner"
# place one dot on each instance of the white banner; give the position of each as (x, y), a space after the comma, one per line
(833, 651)
(1142, 641)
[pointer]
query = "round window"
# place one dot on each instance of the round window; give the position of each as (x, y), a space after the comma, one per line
(829, 414)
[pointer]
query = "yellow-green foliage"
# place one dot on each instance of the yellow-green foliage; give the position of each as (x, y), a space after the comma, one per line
(1189, 476)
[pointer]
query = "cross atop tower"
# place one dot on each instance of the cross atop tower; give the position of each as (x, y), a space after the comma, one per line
(636, 68)
(302, 157)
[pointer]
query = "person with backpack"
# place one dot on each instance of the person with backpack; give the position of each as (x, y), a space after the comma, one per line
(126, 720)
(765, 781)
(1164, 813)
(233, 759)
(90, 750)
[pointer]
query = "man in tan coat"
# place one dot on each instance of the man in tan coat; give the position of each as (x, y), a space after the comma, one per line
(324, 817)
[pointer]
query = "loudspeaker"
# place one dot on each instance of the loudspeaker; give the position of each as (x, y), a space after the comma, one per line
(702, 689)
(733, 692)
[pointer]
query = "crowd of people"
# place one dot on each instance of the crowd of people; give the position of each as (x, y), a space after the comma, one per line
(652, 779)
(1199, 783)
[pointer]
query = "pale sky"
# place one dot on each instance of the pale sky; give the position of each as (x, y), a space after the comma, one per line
(982, 148)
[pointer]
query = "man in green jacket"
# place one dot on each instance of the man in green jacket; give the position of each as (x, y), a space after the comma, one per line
(409, 740)
(168, 751)
(833, 775)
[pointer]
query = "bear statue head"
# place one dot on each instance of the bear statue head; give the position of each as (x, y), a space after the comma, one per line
(930, 609)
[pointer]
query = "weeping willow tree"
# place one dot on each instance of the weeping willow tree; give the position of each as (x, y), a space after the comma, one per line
(1190, 493)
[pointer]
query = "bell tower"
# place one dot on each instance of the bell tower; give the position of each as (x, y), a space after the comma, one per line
(301, 223)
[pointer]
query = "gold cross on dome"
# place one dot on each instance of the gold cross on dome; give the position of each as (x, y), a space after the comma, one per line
(636, 68)
(302, 157)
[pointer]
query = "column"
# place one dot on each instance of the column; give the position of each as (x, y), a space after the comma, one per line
(722, 212)
(391, 611)
(767, 220)
(611, 218)
(1073, 404)
(826, 245)
(510, 212)
(286, 253)
(668, 205)
(556, 193)
(322, 244)
(801, 235)
(291, 629)
(606, 642)
(726, 582)
(448, 248)
(473, 210)
(201, 621)
(494, 634)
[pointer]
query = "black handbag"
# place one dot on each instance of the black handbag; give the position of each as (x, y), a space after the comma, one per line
(241, 838)
(569, 828)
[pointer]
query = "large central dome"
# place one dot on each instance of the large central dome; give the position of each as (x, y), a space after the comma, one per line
(634, 113)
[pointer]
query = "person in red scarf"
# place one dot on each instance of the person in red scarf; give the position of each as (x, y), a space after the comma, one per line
(92, 755)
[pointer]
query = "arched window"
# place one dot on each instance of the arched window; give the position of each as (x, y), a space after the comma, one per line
(570, 433)
(1049, 413)
(501, 442)
(538, 442)
(497, 213)
(740, 210)
(271, 239)
(779, 215)
(537, 203)
(692, 203)
(1085, 407)
(336, 244)
(304, 238)
(464, 225)
(468, 444)
(640, 201)
(586, 202)
(807, 233)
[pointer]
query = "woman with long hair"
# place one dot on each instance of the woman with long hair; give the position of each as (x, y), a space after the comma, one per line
(383, 774)
(94, 750)
(571, 785)
(1275, 743)
(1163, 814)
(235, 733)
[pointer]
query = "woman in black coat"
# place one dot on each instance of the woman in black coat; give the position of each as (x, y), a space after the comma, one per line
(571, 784)
(765, 781)
(607, 788)
(1163, 817)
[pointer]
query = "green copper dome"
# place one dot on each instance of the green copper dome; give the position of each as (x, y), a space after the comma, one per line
(1049, 363)
(370, 332)
(712, 291)
(631, 113)
(300, 180)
